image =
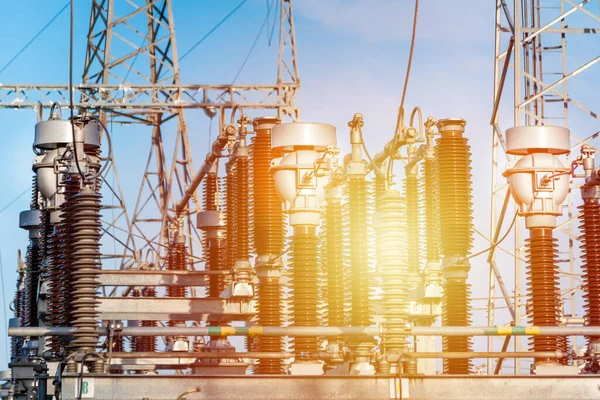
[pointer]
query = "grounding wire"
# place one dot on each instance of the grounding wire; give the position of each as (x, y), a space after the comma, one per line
(34, 38)
(406, 79)
(494, 245)
(212, 30)
(253, 46)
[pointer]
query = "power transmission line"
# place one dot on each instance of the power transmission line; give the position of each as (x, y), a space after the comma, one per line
(253, 44)
(34, 38)
(212, 30)
(13, 201)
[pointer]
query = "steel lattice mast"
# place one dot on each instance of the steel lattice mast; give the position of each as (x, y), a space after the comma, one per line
(532, 54)
(131, 75)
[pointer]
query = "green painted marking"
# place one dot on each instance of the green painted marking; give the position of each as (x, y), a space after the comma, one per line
(214, 331)
(518, 330)
(490, 331)
(242, 330)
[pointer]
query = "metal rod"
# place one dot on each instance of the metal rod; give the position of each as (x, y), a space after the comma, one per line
(488, 354)
(328, 331)
(502, 80)
(203, 355)
(501, 359)
(216, 150)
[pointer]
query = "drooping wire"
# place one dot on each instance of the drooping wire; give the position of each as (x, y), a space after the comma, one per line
(13, 201)
(34, 38)
(406, 79)
(274, 24)
(253, 45)
(212, 30)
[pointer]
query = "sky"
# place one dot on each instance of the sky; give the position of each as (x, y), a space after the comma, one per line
(352, 58)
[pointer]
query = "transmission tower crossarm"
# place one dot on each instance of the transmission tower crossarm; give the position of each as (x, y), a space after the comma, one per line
(139, 98)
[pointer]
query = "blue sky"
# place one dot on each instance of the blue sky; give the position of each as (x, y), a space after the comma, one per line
(352, 58)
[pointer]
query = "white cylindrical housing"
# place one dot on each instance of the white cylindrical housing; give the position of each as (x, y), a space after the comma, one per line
(303, 135)
(523, 140)
(539, 181)
(298, 184)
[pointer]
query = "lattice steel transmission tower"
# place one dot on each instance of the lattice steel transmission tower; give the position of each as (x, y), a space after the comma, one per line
(131, 75)
(545, 49)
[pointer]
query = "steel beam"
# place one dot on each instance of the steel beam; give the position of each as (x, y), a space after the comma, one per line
(155, 278)
(185, 309)
(283, 387)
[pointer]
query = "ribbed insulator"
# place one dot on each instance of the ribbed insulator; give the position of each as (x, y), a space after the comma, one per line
(333, 257)
(359, 262)
(411, 187)
(542, 285)
(177, 262)
(269, 234)
(231, 217)
(590, 227)
(380, 187)
(454, 173)
(456, 220)
(147, 343)
(210, 199)
(213, 248)
(86, 226)
(456, 305)
(269, 297)
(16, 343)
(216, 260)
(30, 306)
(432, 210)
(393, 270)
(58, 246)
(305, 258)
(242, 217)
(35, 194)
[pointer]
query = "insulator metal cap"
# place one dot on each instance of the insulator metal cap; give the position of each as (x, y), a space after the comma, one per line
(451, 126)
(30, 219)
(55, 133)
(311, 135)
(261, 123)
(523, 140)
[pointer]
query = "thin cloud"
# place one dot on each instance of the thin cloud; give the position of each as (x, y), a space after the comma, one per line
(384, 20)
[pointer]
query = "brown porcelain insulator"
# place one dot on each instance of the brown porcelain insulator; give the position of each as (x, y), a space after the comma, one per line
(149, 342)
(455, 195)
(305, 258)
(269, 233)
(456, 305)
(86, 228)
(269, 297)
(231, 187)
(177, 262)
(269, 237)
(590, 226)
(542, 285)
(242, 216)
(456, 222)
(432, 210)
